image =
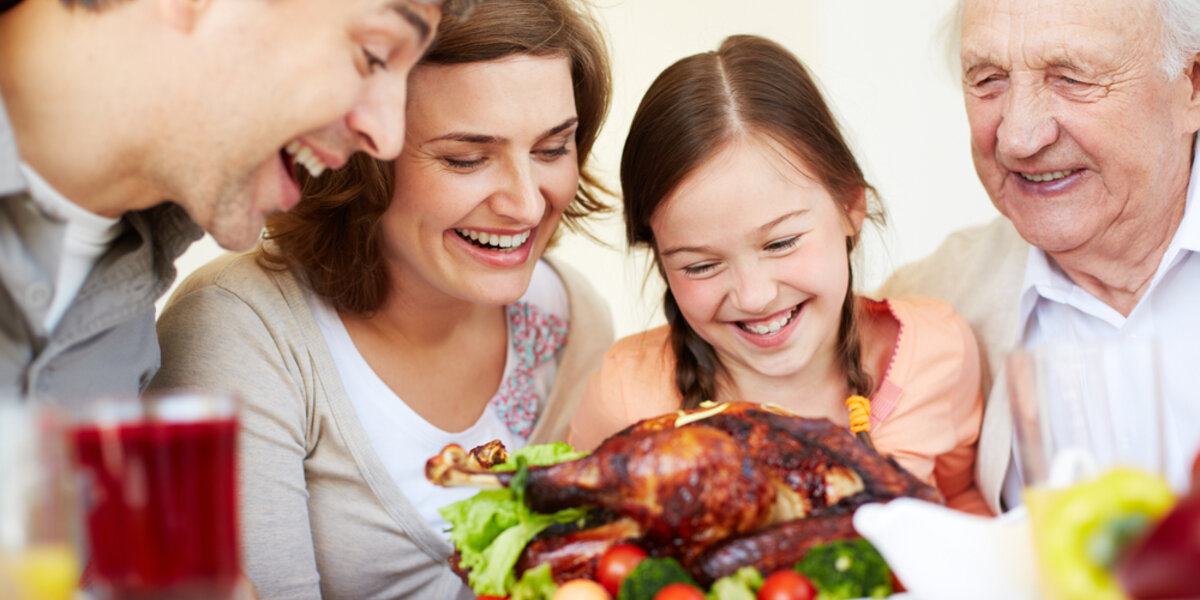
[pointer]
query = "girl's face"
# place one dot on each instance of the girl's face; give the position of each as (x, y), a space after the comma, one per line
(488, 167)
(754, 251)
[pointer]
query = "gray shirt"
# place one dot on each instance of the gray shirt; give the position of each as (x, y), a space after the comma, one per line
(105, 343)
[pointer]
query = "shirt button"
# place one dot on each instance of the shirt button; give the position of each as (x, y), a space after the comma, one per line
(37, 295)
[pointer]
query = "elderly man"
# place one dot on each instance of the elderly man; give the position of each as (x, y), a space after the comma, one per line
(1084, 117)
(125, 124)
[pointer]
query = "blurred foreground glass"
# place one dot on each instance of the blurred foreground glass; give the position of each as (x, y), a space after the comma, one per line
(1088, 420)
(1087, 406)
(160, 495)
(38, 506)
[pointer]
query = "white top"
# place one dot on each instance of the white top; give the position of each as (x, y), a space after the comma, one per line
(86, 237)
(1054, 309)
(404, 440)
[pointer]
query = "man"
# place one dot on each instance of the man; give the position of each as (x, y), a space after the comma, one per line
(1083, 117)
(125, 124)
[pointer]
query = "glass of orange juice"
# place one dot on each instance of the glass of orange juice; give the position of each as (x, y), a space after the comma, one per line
(39, 542)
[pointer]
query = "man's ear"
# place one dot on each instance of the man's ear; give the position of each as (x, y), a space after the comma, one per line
(182, 14)
(856, 210)
(1192, 74)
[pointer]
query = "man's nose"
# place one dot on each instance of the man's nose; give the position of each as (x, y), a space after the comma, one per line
(377, 120)
(519, 196)
(1027, 125)
(754, 289)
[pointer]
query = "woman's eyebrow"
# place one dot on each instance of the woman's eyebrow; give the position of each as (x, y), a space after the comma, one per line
(483, 138)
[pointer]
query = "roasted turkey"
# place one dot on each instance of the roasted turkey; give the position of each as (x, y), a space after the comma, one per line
(717, 488)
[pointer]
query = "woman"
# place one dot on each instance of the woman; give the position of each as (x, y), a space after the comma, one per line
(736, 175)
(402, 307)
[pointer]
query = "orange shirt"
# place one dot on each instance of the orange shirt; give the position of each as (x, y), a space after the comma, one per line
(926, 412)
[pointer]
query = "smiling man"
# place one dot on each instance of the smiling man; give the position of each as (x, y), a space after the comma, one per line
(1084, 118)
(128, 126)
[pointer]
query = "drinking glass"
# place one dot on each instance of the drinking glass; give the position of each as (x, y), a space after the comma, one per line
(1081, 408)
(160, 495)
(1080, 412)
(38, 506)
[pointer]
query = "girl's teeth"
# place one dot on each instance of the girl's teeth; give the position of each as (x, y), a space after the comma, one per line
(773, 326)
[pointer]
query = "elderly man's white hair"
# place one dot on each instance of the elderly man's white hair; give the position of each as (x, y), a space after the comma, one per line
(1181, 29)
(1181, 33)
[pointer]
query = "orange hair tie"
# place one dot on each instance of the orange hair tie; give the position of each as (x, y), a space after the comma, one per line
(860, 414)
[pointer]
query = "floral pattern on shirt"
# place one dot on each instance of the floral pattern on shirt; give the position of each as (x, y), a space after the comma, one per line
(536, 337)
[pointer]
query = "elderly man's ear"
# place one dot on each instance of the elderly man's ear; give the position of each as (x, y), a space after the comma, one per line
(182, 14)
(1193, 77)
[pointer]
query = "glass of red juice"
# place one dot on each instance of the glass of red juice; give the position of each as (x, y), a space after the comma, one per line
(159, 488)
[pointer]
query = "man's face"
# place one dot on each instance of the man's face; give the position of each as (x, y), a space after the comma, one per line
(283, 84)
(1077, 135)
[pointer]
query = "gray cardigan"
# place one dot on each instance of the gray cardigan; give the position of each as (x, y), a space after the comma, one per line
(321, 517)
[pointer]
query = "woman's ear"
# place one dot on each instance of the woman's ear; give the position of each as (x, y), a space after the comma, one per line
(182, 15)
(856, 211)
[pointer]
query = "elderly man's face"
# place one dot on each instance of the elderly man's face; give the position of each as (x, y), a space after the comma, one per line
(1076, 132)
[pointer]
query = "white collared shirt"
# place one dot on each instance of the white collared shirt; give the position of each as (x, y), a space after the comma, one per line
(1054, 309)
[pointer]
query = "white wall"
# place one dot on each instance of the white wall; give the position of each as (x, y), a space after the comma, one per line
(884, 71)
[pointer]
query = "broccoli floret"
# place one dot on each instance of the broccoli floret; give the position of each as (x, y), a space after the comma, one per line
(742, 585)
(847, 569)
(651, 575)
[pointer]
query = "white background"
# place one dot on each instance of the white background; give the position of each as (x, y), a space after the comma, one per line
(884, 68)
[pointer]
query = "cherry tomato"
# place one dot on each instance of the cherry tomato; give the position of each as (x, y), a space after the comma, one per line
(679, 591)
(786, 585)
(581, 589)
(616, 564)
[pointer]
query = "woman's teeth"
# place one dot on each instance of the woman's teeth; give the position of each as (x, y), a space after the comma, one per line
(773, 326)
(1044, 177)
(492, 241)
(303, 155)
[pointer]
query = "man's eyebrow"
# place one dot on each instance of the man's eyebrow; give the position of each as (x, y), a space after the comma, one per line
(414, 18)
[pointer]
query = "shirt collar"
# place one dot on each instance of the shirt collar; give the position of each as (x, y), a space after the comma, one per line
(11, 180)
(1044, 279)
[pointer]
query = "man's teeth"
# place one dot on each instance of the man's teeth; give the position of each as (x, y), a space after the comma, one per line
(303, 155)
(491, 240)
(1044, 177)
(773, 326)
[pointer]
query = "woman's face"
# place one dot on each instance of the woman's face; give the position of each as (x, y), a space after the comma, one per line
(754, 251)
(488, 167)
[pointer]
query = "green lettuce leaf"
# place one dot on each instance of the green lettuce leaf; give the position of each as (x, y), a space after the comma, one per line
(535, 584)
(491, 528)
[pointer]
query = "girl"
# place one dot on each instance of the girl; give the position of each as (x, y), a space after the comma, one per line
(404, 306)
(736, 176)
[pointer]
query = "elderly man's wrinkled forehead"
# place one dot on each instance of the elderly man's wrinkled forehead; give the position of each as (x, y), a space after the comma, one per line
(1047, 33)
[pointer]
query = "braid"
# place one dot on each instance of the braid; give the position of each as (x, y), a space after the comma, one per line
(695, 360)
(849, 343)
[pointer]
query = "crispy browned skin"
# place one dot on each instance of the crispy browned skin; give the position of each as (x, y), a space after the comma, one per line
(744, 485)
(574, 555)
(688, 488)
(776, 547)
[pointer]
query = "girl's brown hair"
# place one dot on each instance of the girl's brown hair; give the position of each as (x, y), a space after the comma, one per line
(332, 239)
(749, 86)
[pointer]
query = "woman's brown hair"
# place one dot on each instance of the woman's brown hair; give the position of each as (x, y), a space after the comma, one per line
(693, 110)
(332, 239)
